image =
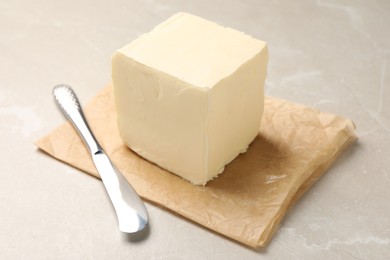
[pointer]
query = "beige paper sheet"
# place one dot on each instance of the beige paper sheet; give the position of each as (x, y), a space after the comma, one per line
(295, 146)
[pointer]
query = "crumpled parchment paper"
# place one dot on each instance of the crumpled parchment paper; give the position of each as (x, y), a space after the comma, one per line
(293, 149)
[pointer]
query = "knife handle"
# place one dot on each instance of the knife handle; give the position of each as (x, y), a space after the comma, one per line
(69, 104)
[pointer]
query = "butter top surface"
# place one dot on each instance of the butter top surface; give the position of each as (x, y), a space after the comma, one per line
(193, 49)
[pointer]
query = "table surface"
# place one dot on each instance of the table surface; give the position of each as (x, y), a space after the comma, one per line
(331, 55)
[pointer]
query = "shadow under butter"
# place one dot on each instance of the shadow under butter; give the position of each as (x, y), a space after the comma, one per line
(264, 157)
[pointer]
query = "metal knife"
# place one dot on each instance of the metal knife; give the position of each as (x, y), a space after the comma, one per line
(130, 210)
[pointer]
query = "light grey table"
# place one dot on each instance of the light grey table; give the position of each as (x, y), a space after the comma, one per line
(332, 55)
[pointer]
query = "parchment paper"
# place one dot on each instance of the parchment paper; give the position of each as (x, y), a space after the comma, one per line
(295, 146)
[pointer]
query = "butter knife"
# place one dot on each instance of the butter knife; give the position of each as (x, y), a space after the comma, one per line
(130, 210)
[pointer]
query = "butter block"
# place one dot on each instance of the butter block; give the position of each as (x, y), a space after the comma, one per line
(189, 95)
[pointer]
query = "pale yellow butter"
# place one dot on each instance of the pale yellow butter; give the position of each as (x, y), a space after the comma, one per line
(189, 95)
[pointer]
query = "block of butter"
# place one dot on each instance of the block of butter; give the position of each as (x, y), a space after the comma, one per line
(189, 95)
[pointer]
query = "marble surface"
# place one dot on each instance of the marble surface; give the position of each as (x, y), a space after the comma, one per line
(332, 55)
